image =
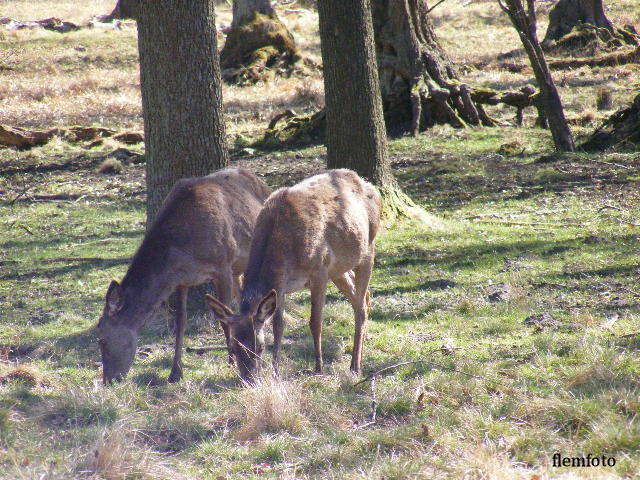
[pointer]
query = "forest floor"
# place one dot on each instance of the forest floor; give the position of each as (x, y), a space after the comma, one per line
(519, 316)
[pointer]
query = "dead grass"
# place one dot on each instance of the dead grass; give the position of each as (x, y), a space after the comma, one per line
(67, 10)
(270, 406)
(117, 455)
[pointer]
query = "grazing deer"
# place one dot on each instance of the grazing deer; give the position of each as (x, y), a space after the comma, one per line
(202, 233)
(318, 230)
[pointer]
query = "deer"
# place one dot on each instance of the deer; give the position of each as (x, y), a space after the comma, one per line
(321, 229)
(202, 232)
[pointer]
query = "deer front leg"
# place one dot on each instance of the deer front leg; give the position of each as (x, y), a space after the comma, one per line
(224, 290)
(181, 321)
(361, 305)
(318, 287)
(278, 330)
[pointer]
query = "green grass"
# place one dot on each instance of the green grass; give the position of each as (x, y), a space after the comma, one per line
(486, 395)
(501, 402)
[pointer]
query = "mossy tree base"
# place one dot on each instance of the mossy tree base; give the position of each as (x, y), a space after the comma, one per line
(589, 40)
(397, 205)
(620, 131)
(257, 50)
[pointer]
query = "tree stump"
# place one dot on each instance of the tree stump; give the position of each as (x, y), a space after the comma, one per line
(257, 49)
(581, 25)
(620, 131)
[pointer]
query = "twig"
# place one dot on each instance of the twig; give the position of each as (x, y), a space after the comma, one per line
(431, 9)
(205, 348)
(531, 224)
(609, 207)
(435, 364)
(628, 335)
(374, 407)
(25, 228)
(611, 164)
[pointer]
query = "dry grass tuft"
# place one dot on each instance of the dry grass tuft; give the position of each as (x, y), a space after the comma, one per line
(117, 456)
(110, 166)
(22, 374)
(270, 406)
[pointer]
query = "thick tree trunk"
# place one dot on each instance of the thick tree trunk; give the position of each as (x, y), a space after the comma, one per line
(181, 94)
(418, 81)
(258, 46)
(356, 135)
(244, 11)
(525, 24)
(567, 15)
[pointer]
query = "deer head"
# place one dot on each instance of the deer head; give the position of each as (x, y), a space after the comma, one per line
(117, 339)
(246, 332)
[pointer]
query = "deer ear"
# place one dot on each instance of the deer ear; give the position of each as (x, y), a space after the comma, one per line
(219, 309)
(114, 298)
(266, 307)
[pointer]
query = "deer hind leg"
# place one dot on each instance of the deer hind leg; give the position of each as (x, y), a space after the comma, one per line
(224, 286)
(181, 321)
(346, 285)
(361, 311)
(318, 287)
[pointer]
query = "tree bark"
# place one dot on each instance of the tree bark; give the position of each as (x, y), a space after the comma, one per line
(418, 81)
(181, 94)
(258, 44)
(356, 134)
(525, 24)
(244, 10)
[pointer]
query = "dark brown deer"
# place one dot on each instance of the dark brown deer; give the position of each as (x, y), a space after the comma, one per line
(202, 233)
(321, 229)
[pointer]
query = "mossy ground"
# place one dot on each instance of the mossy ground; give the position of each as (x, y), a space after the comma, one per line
(525, 232)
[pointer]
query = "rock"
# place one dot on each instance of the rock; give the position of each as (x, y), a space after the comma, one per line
(541, 321)
(400, 271)
(130, 138)
(499, 292)
(515, 266)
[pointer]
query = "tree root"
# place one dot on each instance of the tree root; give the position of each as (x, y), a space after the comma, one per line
(257, 50)
(607, 60)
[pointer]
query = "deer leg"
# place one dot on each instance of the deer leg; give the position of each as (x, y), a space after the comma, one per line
(224, 292)
(361, 311)
(181, 321)
(346, 286)
(278, 329)
(318, 287)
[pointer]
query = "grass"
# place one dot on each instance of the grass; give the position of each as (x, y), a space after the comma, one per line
(559, 234)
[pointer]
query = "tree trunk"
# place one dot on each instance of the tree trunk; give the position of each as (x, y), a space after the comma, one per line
(567, 15)
(258, 44)
(525, 25)
(244, 11)
(356, 135)
(181, 94)
(418, 81)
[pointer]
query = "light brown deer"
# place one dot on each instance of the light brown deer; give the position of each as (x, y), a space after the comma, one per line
(321, 229)
(202, 233)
